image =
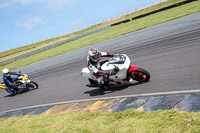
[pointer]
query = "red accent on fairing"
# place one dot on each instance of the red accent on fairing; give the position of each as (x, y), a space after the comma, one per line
(110, 80)
(95, 76)
(110, 54)
(101, 72)
(133, 69)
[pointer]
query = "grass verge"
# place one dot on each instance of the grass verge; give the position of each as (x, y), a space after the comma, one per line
(110, 33)
(104, 122)
(18, 51)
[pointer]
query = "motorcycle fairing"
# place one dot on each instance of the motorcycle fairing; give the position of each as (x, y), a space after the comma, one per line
(123, 68)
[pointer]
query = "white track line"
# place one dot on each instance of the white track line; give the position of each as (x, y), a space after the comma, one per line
(107, 98)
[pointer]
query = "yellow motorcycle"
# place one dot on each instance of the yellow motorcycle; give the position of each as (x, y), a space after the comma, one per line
(22, 84)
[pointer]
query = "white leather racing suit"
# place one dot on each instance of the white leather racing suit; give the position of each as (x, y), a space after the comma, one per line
(95, 67)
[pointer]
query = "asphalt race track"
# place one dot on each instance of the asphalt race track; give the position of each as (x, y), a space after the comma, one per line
(173, 60)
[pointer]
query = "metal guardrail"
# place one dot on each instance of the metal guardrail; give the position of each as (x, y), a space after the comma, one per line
(53, 45)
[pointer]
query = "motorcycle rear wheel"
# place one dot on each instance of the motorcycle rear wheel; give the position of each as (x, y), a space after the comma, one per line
(140, 75)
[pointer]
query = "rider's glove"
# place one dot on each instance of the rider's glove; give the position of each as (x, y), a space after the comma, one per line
(111, 72)
(14, 85)
(114, 72)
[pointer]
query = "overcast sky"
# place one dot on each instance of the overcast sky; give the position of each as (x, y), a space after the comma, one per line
(24, 22)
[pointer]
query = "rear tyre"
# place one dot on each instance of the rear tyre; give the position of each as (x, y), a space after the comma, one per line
(140, 75)
(32, 85)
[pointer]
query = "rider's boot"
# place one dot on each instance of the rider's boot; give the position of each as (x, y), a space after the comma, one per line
(12, 93)
(104, 85)
(92, 83)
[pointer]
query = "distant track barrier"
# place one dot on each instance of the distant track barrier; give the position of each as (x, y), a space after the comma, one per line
(153, 12)
(90, 32)
(52, 45)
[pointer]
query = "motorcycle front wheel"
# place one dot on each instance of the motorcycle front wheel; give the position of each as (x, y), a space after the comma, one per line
(140, 75)
(32, 85)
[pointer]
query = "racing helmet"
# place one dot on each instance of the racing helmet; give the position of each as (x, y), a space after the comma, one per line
(6, 72)
(94, 55)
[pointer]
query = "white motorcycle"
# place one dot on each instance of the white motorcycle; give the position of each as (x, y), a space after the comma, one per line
(123, 72)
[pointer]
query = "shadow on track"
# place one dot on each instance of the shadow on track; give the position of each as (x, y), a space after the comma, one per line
(18, 93)
(99, 91)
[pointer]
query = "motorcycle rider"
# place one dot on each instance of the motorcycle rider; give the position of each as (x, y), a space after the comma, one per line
(9, 82)
(94, 65)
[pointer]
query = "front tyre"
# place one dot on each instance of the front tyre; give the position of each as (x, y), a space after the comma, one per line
(140, 75)
(32, 85)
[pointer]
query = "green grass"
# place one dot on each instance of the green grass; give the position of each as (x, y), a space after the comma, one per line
(129, 121)
(21, 50)
(109, 33)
